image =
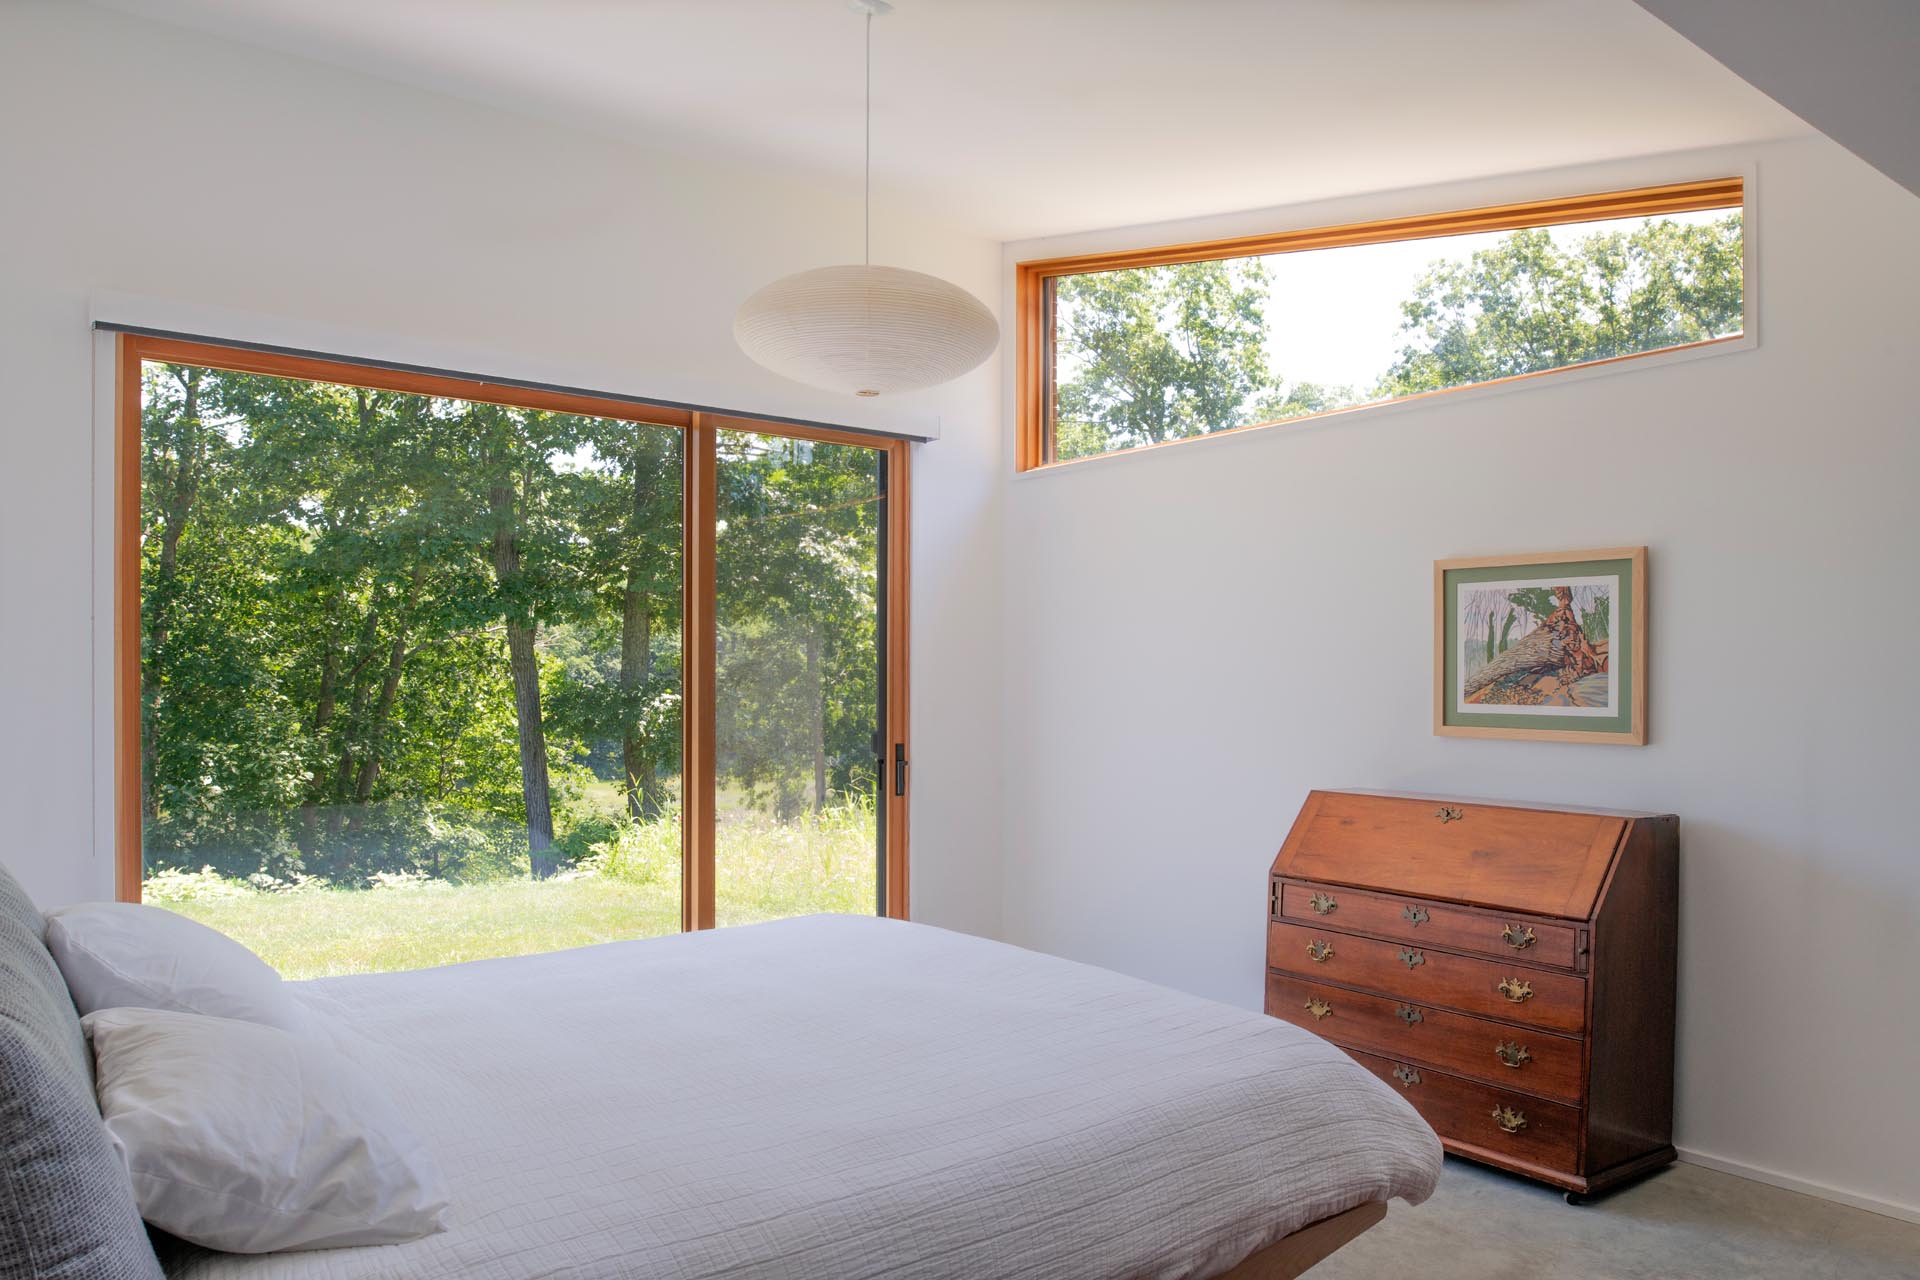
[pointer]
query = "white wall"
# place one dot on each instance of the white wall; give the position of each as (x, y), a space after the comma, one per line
(141, 160)
(1198, 635)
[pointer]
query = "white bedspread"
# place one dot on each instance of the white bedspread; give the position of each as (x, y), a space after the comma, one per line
(832, 1097)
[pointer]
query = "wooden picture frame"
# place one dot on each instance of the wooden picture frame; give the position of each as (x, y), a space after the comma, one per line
(1519, 655)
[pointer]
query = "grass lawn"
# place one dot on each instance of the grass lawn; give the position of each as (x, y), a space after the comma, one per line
(763, 870)
(321, 932)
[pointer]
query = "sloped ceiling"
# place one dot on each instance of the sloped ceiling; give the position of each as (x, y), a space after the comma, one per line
(1849, 68)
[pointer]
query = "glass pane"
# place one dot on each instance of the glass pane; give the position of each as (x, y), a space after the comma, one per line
(411, 672)
(1151, 354)
(797, 679)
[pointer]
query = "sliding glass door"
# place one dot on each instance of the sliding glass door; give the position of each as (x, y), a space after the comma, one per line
(799, 729)
(407, 675)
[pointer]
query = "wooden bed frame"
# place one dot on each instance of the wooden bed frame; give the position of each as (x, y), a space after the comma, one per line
(1291, 1256)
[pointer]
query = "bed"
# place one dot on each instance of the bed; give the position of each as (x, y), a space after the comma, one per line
(839, 1097)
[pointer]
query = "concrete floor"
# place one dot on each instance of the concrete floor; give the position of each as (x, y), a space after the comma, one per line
(1682, 1223)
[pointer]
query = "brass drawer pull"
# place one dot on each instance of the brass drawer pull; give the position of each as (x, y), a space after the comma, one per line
(1513, 1053)
(1408, 1014)
(1411, 958)
(1319, 952)
(1414, 915)
(1406, 1075)
(1449, 813)
(1519, 937)
(1321, 903)
(1515, 990)
(1510, 1120)
(1318, 1008)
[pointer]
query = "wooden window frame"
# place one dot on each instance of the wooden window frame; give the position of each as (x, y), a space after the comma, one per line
(699, 636)
(1034, 332)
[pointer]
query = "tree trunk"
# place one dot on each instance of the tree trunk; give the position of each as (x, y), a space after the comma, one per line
(340, 816)
(382, 713)
(1537, 652)
(525, 667)
(349, 759)
(149, 759)
(636, 648)
(636, 658)
(323, 701)
(304, 839)
(177, 504)
(817, 684)
(186, 474)
(533, 747)
(397, 654)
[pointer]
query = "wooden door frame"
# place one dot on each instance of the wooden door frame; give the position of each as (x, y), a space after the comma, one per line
(699, 656)
(699, 431)
(895, 785)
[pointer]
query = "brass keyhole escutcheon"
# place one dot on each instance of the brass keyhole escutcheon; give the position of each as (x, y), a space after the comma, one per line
(1408, 1014)
(1318, 1008)
(1413, 915)
(1321, 903)
(1411, 958)
(1519, 937)
(1513, 1053)
(1319, 952)
(1449, 813)
(1509, 1119)
(1515, 990)
(1406, 1075)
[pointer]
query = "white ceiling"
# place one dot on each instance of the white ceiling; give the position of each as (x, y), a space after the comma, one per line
(1023, 119)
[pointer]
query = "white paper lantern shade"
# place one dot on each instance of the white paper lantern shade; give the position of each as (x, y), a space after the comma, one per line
(866, 331)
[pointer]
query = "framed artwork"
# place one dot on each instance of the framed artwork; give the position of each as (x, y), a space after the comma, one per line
(1542, 646)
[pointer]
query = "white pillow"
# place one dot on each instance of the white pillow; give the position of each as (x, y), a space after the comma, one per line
(244, 1138)
(119, 954)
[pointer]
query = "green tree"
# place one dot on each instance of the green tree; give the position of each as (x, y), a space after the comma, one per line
(628, 515)
(220, 734)
(382, 579)
(1152, 354)
(1527, 303)
(526, 518)
(796, 561)
(1537, 601)
(323, 605)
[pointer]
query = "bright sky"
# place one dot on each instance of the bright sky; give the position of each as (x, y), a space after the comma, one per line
(1334, 316)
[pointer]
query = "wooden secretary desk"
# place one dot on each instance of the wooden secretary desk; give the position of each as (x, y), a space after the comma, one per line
(1509, 968)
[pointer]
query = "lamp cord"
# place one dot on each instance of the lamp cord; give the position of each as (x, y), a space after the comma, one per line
(866, 194)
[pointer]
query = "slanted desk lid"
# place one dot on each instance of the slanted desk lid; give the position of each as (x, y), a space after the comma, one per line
(1549, 862)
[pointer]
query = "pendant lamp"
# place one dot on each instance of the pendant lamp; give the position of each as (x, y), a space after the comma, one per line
(866, 330)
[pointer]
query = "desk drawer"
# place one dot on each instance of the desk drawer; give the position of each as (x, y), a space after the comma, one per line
(1511, 993)
(1512, 1126)
(1431, 924)
(1491, 1052)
